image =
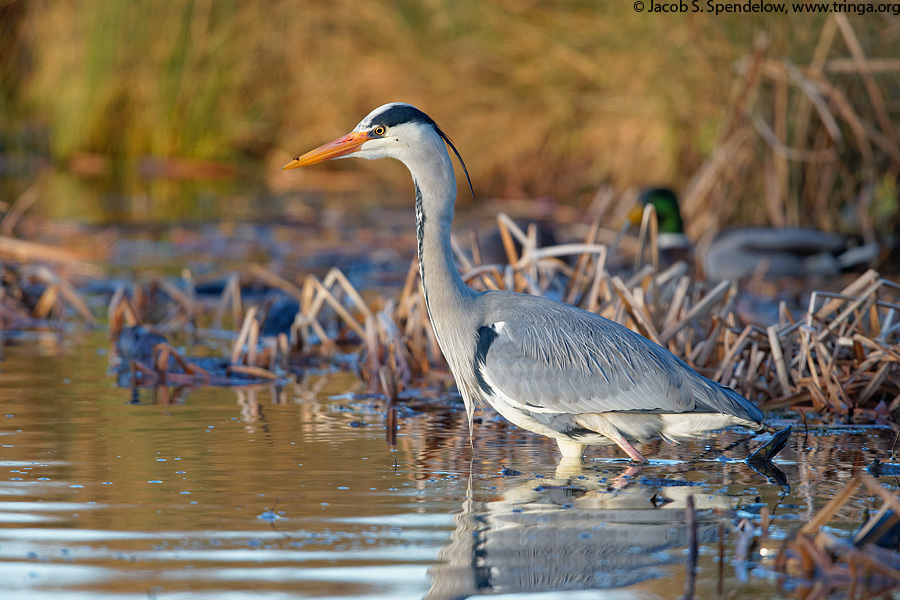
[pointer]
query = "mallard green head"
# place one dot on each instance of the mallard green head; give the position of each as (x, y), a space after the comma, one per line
(668, 215)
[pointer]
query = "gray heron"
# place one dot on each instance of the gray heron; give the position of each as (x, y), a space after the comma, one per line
(544, 365)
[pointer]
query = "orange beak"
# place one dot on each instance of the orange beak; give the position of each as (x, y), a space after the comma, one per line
(339, 147)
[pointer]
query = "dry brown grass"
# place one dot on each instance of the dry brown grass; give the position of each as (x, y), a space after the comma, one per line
(810, 144)
(542, 98)
(841, 358)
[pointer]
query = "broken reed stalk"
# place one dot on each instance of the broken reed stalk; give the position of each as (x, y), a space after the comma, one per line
(72, 296)
(858, 564)
(243, 337)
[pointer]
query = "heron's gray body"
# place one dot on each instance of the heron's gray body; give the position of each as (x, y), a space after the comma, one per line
(577, 377)
(546, 366)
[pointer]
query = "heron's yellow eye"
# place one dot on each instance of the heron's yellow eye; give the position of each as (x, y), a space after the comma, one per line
(378, 130)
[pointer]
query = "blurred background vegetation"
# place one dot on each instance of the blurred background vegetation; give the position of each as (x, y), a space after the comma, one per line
(543, 98)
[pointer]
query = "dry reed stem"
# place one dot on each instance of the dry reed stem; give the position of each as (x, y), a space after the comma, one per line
(120, 312)
(162, 352)
(25, 201)
(252, 342)
(460, 256)
(187, 304)
(337, 277)
(778, 359)
(580, 263)
(636, 310)
(779, 148)
(276, 281)
(244, 335)
(816, 554)
(67, 291)
(788, 72)
(872, 89)
(298, 331)
(727, 363)
(699, 310)
(231, 296)
(871, 65)
(46, 303)
(252, 371)
(323, 295)
(597, 285)
(23, 251)
(649, 228)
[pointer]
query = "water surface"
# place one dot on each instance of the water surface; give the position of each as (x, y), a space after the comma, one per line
(294, 492)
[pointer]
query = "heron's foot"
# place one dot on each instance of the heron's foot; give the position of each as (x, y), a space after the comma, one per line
(631, 451)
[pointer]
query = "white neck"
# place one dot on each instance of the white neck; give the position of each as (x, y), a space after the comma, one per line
(445, 292)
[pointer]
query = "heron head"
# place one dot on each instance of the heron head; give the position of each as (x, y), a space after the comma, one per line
(385, 133)
(395, 130)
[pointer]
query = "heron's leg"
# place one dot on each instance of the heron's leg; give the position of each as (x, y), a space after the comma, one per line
(570, 449)
(630, 450)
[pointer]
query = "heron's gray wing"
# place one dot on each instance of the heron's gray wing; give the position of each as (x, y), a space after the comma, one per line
(551, 357)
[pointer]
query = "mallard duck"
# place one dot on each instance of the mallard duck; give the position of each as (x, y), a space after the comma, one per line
(741, 253)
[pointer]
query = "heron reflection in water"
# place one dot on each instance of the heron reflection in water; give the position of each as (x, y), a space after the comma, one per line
(570, 533)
